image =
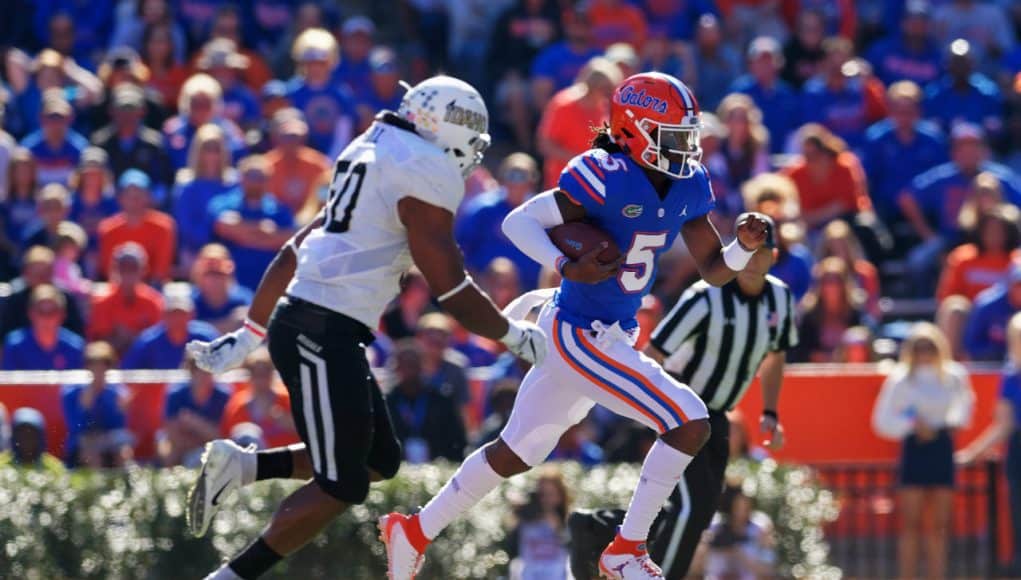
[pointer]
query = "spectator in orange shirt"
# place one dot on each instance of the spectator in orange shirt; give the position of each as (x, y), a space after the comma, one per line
(128, 305)
(972, 268)
(166, 74)
(137, 222)
(830, 179)
(564, 130)
(296, 171)
(617, 21)
(264, 402)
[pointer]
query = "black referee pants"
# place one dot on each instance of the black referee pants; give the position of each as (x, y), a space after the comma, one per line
(678, 529)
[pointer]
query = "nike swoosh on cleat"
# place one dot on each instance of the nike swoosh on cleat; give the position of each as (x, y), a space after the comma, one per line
(216, 497)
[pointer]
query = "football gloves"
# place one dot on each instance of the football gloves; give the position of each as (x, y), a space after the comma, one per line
(227, 352)
(526, 340)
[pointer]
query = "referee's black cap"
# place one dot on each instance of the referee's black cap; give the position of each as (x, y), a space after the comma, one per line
(770, 226)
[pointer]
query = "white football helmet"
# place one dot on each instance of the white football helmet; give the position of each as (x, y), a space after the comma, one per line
(450, 113)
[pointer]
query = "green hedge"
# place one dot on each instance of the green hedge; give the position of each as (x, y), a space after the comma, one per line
(131, 524)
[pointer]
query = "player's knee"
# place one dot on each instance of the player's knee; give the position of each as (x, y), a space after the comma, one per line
(350, 488)
(386, 468)
(503, 460)
(689, 437)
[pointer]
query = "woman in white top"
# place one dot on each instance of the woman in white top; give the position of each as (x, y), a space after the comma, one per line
(925, 397)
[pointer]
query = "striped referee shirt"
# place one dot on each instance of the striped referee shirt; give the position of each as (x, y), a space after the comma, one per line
(715, 337)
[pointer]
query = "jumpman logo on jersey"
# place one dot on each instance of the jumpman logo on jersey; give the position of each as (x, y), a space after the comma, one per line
(684, 212)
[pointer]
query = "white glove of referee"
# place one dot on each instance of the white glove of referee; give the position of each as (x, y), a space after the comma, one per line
(227, 352)
(526, 340)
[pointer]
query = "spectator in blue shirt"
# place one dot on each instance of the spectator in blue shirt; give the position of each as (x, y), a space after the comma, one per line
(200, 102)
(964, 95)
(382, 90)
(985, 335)
(44, 345)
(251, 222)
(910, 55)
(89, 23)
(716, 62)
(52, 206)
(837, 98)
(97, 434)
(93, 199)
(328, 108)
(478, 228)
(897, 149)
(356, 42)
(192, 416)
(162, 346)
(266, 22)
(1006, 426)
(197, 17)
(55, 146)
(779, 103)
(216, 293)
(207, 175)
(557, 66)
(934, 199)
(222, 61)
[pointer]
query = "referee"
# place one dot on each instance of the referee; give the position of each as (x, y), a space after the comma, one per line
(713, 340)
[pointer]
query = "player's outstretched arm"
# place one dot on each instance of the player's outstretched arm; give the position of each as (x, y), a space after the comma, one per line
(719, 264)
(231, 349)
(431, 241)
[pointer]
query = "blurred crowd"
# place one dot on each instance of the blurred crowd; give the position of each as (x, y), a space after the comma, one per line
(155, 154)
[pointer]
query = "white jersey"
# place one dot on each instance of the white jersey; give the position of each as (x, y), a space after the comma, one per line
(353, 263)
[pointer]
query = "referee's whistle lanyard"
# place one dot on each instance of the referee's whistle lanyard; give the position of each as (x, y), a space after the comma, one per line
(414, 414)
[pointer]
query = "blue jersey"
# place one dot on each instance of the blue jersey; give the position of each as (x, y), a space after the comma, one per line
(620, 199)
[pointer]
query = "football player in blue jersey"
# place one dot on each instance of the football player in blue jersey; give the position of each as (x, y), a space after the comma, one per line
(643, 184)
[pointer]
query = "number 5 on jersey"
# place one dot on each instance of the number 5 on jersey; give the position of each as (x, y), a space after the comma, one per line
(347, 183)
(640, 261)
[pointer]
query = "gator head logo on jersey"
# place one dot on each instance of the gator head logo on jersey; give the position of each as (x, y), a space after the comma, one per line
(632, 210)
(655, 119)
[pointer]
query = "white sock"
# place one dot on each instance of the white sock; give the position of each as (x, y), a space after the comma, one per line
(661, 473)
(224, 573)
(249, 467)
(473, 480)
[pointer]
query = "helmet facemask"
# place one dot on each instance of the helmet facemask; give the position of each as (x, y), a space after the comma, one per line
(467, 161)
(674, 150)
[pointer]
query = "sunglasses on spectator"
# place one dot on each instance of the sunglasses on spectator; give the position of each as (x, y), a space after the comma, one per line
(517, 175)
(254, 176)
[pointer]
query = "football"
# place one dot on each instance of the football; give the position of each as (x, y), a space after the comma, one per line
(575, 239)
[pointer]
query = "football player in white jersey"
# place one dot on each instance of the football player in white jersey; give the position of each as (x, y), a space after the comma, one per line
(392, 201)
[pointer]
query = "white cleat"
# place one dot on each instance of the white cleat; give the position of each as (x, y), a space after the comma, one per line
(619, 563)
(219, 477)
(405, 545)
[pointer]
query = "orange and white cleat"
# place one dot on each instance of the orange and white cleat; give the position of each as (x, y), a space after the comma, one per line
(405, 545)
(627, 560)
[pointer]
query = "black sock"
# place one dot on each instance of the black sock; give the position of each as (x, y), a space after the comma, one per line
(255, 561)
(274, 464)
